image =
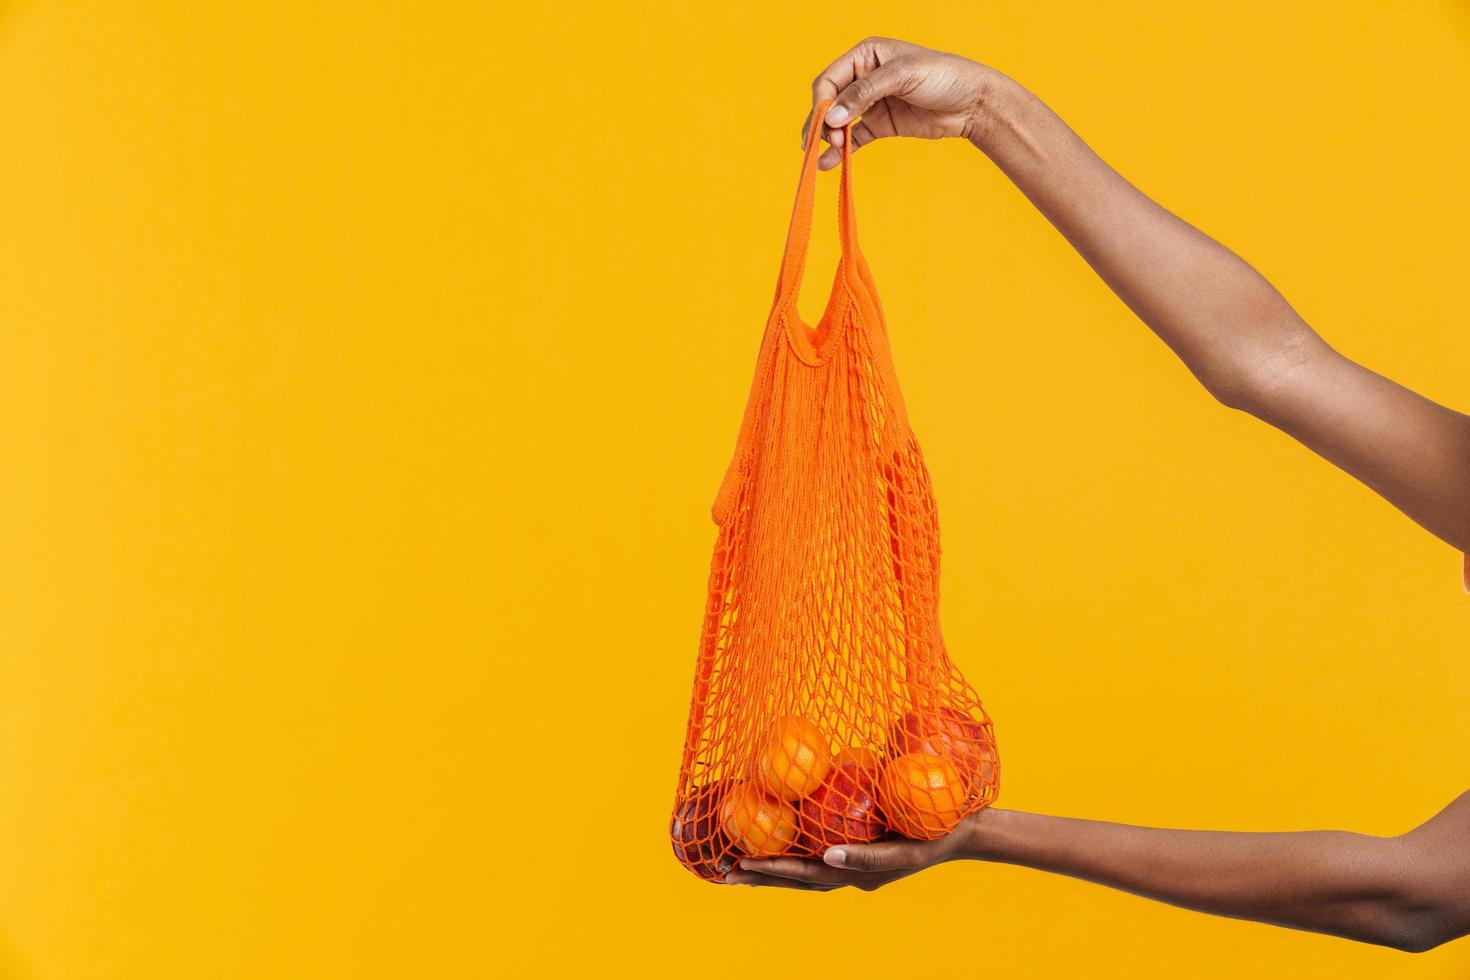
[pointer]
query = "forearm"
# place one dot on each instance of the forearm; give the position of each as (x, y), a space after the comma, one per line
(1216, 312)
(1229, 326)
(1326, 881)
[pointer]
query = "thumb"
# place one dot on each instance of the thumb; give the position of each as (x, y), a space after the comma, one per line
(886, 856)
(894, 78)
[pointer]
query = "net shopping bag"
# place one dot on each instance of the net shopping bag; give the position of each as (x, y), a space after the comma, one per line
(825, 709)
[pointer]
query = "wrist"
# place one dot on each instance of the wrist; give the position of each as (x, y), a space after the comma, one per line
(997, 98)
(983, 836)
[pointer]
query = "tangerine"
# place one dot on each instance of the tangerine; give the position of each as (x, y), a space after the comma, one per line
(794, 759)
(950, 733)
(922, 794)
(758, 823)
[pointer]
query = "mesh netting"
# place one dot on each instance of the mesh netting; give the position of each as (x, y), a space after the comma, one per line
(825, 708)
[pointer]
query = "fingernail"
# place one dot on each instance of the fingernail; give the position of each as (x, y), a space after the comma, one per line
(836, 116)
(836, 139)
(835, 856)
(745, 865)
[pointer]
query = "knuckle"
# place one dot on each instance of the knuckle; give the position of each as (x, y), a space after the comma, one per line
(909, 77)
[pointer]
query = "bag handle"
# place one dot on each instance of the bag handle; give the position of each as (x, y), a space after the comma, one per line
(798, 234)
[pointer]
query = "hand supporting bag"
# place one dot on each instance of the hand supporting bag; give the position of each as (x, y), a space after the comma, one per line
(825, 709)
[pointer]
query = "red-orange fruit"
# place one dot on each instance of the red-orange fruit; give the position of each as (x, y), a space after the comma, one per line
(699, 842)
(843, 810)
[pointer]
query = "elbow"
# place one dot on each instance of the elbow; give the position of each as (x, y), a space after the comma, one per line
(1263, 358)
(1405, 937)
(1409, 935)
(1400, 897)
(1422, 924)
(1231, 389)
(1260, 379)
(1419, 913)
(1396, 924)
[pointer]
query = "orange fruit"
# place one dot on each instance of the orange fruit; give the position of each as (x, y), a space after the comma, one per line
(922, 795)
(794, 759)
(950, 733)
(758, 823)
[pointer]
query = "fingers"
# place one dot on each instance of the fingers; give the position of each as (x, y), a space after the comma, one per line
(883, 856)
(865, 866)
(857, 82)
(893, 79)
(862, 135)
(832, 136)
(741, 876)
(801, 873)
(798, 869)
(861, 59)
(858, 60)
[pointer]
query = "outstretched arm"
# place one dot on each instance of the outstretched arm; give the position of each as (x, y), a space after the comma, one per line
(1410, 892)
(1232, 329)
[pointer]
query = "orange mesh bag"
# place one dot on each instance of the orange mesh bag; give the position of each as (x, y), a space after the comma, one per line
(825, 709)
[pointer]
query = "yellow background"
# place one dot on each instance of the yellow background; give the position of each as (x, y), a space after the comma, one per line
(367, 371)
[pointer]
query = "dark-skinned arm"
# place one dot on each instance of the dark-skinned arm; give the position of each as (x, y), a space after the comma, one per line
(1410, 892)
